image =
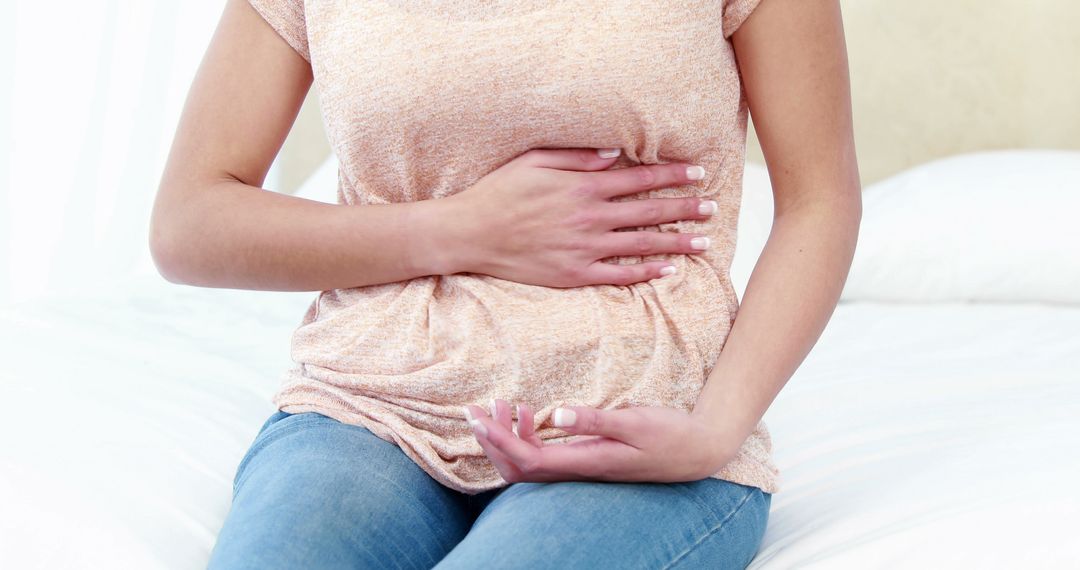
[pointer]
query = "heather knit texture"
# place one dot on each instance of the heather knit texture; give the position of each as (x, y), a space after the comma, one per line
(421, 99)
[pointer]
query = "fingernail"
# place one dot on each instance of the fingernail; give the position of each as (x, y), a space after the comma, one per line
(564, 417)
(669, 270)
(609, 152)
(708, 207)
(468, 413)
(478, 427)
(494, 410)
(700, 243)
(695, 172)
(517, 411)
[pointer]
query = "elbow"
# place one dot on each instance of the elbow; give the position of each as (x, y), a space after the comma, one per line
(166, 250)
(855, 208)
(164, 253)
(178, 223)
(842, 209)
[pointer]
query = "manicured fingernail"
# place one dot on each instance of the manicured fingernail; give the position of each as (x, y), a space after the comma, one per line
(670, 269)
(517, 411)
(468, 413)
(708, 207)
(478, 427)
(564, 417)
(609, 152)
(494, 410)
(700, 243)
(695, 172)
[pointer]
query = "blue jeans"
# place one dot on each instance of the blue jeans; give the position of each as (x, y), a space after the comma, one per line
(313, 492)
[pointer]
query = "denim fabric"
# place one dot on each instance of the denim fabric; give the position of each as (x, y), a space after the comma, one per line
(316, 493)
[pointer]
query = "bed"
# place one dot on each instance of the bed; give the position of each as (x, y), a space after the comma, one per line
(934, 425)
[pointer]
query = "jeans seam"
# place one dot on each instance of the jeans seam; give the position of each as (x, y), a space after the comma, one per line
(705, 507)
(262, 440)
(713, 530)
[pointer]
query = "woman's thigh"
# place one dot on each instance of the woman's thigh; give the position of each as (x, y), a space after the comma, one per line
(709, 523)
(313, 492)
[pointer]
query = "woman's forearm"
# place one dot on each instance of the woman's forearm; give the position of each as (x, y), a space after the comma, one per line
(233, 235)
(789, 298)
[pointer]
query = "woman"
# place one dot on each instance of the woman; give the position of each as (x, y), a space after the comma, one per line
(515, 178)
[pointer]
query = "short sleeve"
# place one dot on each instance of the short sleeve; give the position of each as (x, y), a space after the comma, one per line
(288, 20)
(735, 13)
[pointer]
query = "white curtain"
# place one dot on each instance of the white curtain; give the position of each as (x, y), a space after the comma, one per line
(91, 96)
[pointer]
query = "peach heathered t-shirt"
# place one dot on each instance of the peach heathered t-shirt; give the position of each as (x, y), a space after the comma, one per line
(421, 99)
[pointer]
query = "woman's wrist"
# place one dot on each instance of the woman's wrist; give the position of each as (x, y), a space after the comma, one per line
(720, 443)
(444, 238)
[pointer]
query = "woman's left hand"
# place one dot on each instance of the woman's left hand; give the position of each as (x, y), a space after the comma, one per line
(631, 444)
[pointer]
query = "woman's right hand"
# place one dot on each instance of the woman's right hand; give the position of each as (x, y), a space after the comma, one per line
(545, 218)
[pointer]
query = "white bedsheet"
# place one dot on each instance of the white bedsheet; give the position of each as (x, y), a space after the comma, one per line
(931, 436)
(913, 436)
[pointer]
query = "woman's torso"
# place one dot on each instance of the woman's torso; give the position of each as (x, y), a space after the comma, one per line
(422, 99)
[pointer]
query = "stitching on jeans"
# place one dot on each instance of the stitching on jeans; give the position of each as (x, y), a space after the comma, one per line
(395, 483)
(712, 531)
(705, 507)
(266, 438)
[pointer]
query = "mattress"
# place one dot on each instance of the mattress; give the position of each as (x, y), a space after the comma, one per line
(934, 435)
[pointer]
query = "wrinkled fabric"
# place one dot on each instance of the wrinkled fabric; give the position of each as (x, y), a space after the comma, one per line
(420, 100)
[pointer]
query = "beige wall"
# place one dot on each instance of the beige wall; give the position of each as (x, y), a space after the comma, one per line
(930, 78)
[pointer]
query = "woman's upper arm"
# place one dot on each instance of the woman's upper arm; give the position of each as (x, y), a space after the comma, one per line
(793, 61)
(242, 103)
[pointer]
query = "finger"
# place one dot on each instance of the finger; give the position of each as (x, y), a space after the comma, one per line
(655, 211)
(581, 159)
(635, 179)
(500, 412)
(594, 457)
(589, 458)
(604, 273)
(524, 455)
(625, 425)
(646, 242)
(526, 426)
(498, 458)
(502, 463)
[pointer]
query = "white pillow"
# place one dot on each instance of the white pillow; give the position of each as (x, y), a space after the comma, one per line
(989, 226)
